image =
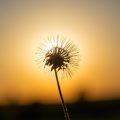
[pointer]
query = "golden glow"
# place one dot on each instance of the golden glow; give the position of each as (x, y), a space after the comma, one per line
(93, 29)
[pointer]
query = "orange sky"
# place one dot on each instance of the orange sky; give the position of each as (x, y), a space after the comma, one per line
(93, 26)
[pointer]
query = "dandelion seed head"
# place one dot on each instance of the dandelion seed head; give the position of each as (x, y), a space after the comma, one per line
(58, 53)
(57, 58)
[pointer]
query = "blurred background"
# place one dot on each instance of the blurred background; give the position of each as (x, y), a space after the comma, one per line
(29, 92)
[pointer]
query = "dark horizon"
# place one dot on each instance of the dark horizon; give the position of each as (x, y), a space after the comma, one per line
(81, 110)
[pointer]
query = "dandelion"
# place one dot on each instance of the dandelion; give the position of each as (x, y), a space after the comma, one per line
(59, 54)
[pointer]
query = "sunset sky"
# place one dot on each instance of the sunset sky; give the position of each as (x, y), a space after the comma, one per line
(93, 25)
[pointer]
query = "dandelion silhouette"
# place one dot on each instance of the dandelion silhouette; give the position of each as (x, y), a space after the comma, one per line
(60, 55)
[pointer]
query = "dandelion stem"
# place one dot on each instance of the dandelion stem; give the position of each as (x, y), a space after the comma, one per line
(61, 96)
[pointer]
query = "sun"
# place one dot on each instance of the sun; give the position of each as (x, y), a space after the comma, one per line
(51, 42)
